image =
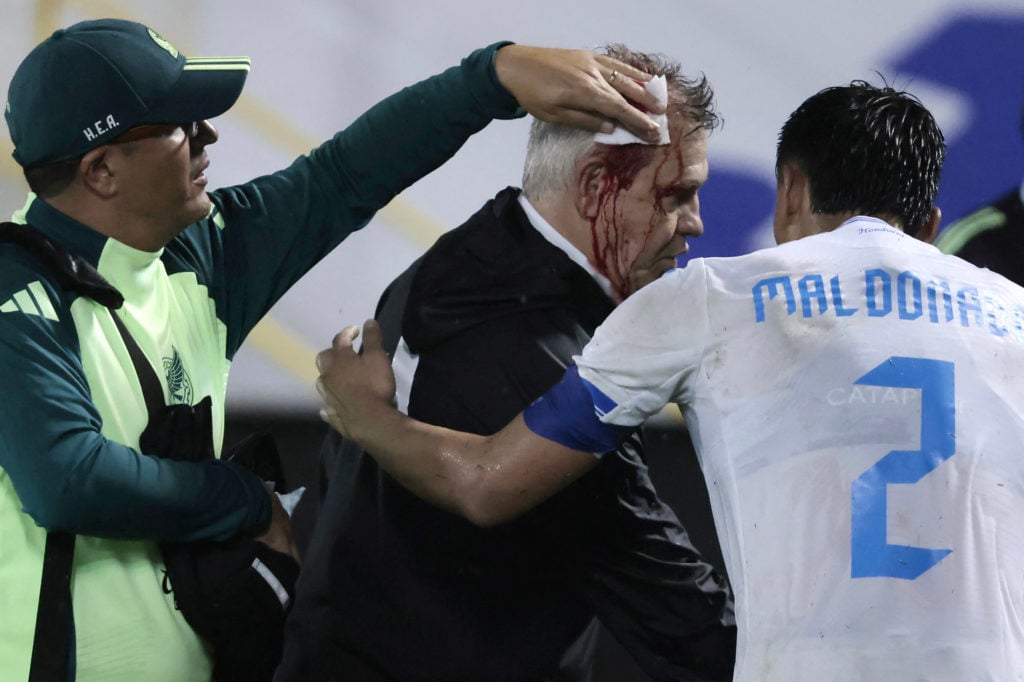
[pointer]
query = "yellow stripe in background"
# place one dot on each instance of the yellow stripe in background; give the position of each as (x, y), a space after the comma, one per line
(286, 349)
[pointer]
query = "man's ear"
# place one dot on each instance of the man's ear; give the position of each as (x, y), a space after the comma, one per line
(589, 180)
(97, 172)
(930, 230)
(794, 193)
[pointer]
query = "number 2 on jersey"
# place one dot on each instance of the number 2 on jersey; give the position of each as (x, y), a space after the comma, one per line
(871, 555)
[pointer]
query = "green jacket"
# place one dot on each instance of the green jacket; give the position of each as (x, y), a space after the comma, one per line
(73, 410)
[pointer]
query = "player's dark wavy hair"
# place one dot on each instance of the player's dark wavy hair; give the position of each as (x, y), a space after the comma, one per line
(867, 150)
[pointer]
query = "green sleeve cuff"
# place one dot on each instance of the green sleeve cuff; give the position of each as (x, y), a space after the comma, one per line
(258, 508)
(487, 90)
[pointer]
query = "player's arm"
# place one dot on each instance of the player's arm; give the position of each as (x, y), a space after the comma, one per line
(644, 353)
(486, 479)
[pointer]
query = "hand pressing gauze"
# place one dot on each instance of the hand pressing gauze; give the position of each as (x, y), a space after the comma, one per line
(658, 87)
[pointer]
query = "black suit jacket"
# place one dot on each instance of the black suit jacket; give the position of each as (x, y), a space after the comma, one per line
(402, 590)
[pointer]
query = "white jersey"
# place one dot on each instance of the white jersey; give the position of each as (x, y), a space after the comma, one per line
(856, 402)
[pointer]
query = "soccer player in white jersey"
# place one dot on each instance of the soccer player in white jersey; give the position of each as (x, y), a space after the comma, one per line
(854, 397)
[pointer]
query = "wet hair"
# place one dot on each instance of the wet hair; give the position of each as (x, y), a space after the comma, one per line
(554, 151)
(867, 150)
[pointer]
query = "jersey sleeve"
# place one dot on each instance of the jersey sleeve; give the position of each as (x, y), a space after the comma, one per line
(66, 474)
(642, 357)
(277, 227)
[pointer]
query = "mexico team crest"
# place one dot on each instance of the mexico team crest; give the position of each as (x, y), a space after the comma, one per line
(163, 42)
(179, 385)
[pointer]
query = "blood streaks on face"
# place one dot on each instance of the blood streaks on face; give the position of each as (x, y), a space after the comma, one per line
(617, 239)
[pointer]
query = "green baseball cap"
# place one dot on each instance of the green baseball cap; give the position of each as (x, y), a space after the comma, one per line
(89, 83)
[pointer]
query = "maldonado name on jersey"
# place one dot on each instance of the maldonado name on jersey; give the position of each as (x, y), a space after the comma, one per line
(883, 293)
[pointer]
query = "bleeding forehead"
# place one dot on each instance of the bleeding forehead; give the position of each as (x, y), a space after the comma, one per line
(685, 156)
(688, 139)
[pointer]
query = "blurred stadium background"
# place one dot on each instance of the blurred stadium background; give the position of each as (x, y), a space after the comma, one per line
(317, 64)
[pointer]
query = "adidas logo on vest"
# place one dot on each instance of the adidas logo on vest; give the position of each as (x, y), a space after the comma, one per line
(32, 300)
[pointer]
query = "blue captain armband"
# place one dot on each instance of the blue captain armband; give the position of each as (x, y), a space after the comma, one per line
(568, 415)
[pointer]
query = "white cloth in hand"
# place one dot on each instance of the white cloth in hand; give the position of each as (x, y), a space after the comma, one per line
(658, 87)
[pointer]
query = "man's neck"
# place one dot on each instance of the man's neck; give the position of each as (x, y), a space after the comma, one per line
(552, 229)
(563, 219)
(98, 216)
(826, 222)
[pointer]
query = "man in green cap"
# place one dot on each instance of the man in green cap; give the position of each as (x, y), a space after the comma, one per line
(110, 124)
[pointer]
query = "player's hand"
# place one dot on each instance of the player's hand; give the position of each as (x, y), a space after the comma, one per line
(355, 387)
(578, 88)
